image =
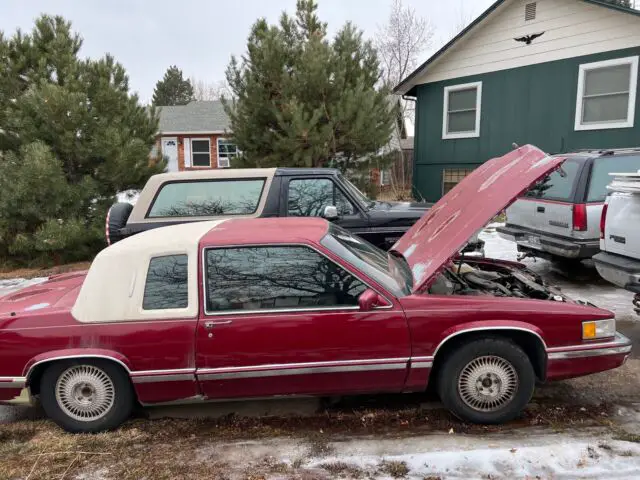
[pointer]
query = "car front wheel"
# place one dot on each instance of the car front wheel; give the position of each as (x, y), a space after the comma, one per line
(487, 381)
(86, 396)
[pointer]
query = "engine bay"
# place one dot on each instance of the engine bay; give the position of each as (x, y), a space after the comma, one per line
(468, 277)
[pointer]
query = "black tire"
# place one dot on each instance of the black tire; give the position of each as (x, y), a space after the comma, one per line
(116, 220)
(116, 411)
(494, 352)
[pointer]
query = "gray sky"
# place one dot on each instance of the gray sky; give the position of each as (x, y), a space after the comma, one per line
(200, 36)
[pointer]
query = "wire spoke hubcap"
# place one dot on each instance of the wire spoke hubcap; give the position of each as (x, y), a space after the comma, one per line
(488, 383)
(85, 393)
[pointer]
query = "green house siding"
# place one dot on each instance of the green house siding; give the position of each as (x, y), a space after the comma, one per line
(534, 104)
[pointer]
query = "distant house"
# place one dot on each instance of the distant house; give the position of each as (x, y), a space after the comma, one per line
(560, 74)
(195, 136)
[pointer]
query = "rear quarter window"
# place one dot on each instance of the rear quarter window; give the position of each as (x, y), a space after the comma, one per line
(207, 198)
(557, 186)
(600, 174)
(167, 283)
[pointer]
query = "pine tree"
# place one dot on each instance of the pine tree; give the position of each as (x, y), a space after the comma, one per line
(71, 137)
(173, 89)
(300, 99)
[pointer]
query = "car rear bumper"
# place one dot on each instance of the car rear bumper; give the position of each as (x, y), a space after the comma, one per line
(542, 245)
(619, 270)
(578, 360)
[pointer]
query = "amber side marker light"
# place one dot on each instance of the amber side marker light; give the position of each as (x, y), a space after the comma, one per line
(598, 329)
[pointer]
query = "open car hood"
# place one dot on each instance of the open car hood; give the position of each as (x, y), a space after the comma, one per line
(440, 234)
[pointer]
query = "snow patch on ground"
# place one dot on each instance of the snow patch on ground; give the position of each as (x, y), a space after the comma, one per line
(590, 454)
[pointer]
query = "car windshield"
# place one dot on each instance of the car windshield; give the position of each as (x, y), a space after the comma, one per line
(390, 271)
(356, 193)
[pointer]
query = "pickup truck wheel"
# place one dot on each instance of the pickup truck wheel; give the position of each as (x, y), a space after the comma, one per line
(116, 220)
(487, 381)
(86, 396)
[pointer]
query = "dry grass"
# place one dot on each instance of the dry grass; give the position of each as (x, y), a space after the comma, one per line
(6, 273)
(394, 469)
(167, 449)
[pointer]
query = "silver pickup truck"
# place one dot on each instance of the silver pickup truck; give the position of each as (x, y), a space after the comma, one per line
(619, 261)
(560, 217)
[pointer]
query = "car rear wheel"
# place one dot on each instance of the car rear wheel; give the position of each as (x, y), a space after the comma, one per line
(86, 396)
(487, 381)
(116, 220)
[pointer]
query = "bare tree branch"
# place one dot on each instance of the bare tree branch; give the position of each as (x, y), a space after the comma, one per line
(400, 43)
(207, 91)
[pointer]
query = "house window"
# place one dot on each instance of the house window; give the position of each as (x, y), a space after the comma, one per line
(200, 152)
(452, 176)
(226, 151)
(607, 94)
(462, 111)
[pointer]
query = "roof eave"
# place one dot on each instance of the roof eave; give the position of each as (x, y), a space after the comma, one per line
(195, 132)
(407, 87)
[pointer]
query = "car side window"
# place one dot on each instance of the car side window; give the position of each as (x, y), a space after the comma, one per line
(600, 174)
(557, 186)
(167, 283)
(278, 277)
(309, 196)
(207, 198)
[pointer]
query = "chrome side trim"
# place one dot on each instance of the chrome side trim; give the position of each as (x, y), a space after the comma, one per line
(619, 340)
(285, 310)
(178, 377)
(488, 329)
(422, 359)
(594, 352)
(619, 345)
(13, 382)
(283, 369)
(280, 366)
(68, 357)
(162, 372)
(421, 365)
(301, 371)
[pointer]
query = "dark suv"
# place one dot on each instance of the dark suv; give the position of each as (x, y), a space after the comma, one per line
(171, 198)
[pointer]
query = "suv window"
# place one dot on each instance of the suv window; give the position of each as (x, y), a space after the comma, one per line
(204, 198)
(600, 177)
(308, 197)
(283, 277)
(167, 283)
(558, 187)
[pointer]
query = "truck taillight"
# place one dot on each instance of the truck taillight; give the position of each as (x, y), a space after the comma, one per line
(580, 217)
(603, 220)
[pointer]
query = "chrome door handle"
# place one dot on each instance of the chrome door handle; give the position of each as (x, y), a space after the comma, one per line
(209, 325)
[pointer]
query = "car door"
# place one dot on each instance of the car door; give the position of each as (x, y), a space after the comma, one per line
(284, 320)
(308, 197)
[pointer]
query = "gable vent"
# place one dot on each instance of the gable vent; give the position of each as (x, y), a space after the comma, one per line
(530, 11)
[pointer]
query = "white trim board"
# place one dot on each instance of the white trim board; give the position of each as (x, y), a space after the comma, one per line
(631, 105)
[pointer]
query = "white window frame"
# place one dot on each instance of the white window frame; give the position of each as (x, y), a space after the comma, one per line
(200, 139)
(445, 111)
(631, 107)
(218, 150)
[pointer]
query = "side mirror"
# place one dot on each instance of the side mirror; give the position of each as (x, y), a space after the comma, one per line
(368, 300)
(330, 212)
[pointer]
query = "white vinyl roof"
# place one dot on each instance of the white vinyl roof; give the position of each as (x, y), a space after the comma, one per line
(114, 287)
